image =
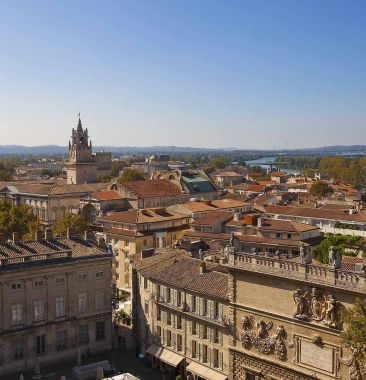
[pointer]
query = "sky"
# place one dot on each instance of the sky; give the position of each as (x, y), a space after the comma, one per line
(202, 73)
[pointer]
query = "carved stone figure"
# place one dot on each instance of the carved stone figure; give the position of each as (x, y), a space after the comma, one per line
(357, 370)
(330, 312)
(314, 306)
(256, 334)
(302, 253)
(331, 257)
(308, 256)
(300, 309)
(317, 305)
(232, 240)
(280, 346)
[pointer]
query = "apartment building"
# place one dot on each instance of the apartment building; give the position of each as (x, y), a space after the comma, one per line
(55, 301)
(181, 314)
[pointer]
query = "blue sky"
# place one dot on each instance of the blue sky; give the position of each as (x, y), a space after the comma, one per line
(205, 73)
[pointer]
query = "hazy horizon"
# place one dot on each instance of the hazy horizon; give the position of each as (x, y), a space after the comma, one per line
(207, 74)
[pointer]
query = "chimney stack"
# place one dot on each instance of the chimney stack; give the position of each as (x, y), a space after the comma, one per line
(68, 233)
(48, 234)
(15, 237)
(202, 267)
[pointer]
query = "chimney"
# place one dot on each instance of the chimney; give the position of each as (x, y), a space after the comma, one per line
(48, 234)
(38, 235)
(202, 267)
(237, 216)
(259, 222)
(15, 237)
(86, 235)
(68, 233)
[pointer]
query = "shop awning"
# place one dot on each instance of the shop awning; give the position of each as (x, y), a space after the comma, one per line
(165, 355)
(205, 372)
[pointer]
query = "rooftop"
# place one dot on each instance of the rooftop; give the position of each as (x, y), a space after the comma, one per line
(318, 213)
(152, 188)
(174, 267)
(147, 215)
(213, 217)
(108, 195)
(37, 251)
(286, 225)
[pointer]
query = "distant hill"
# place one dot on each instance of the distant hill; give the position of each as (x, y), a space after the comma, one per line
(62, 150)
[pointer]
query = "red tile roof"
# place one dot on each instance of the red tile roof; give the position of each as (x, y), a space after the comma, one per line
(106, 195)
(152, 188)
(213, 217)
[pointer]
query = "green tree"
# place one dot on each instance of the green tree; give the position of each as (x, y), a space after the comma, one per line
(220, 162)
(75, 223)
(5, 175)
(17, 218)
(354, 336)
(321, 189)
(117, 166)
(103, 178)
(348, 245)
(130, 174)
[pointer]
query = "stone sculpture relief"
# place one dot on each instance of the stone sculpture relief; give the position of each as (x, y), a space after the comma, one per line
(357, 370)
(314, 306)
(255, 333)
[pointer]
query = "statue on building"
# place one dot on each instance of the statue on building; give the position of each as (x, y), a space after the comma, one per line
(330, 312)
(300, 304)
(357, 370)
(302, 253)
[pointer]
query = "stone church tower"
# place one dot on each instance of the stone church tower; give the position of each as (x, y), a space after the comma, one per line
(81, 166)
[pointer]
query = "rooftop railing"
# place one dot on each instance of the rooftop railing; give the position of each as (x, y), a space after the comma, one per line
(286, 268)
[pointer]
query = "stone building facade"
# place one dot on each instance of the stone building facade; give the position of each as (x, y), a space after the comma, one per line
(286, 317)
(181, 313)
(55, 301)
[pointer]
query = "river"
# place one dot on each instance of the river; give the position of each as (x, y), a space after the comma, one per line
(265, 161)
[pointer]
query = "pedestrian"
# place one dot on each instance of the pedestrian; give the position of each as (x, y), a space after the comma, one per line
(119, 341)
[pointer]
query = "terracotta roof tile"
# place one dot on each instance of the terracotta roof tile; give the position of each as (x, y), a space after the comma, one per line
(152, 188)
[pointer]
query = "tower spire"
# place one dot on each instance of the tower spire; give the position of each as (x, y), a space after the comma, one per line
(80, 127)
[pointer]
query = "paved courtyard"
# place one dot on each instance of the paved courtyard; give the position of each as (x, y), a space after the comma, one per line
(122, 359)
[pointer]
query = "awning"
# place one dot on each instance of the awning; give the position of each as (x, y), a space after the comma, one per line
(205, 372)
(165, 355)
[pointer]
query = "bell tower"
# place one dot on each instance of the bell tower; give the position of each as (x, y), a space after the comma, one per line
(81, 166)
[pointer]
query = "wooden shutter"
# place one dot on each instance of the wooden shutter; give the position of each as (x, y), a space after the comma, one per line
(211, 312)
(221, 360)
(209, 356)
(220, 337)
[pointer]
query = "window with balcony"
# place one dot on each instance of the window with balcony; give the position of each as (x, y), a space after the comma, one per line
(59, 307)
